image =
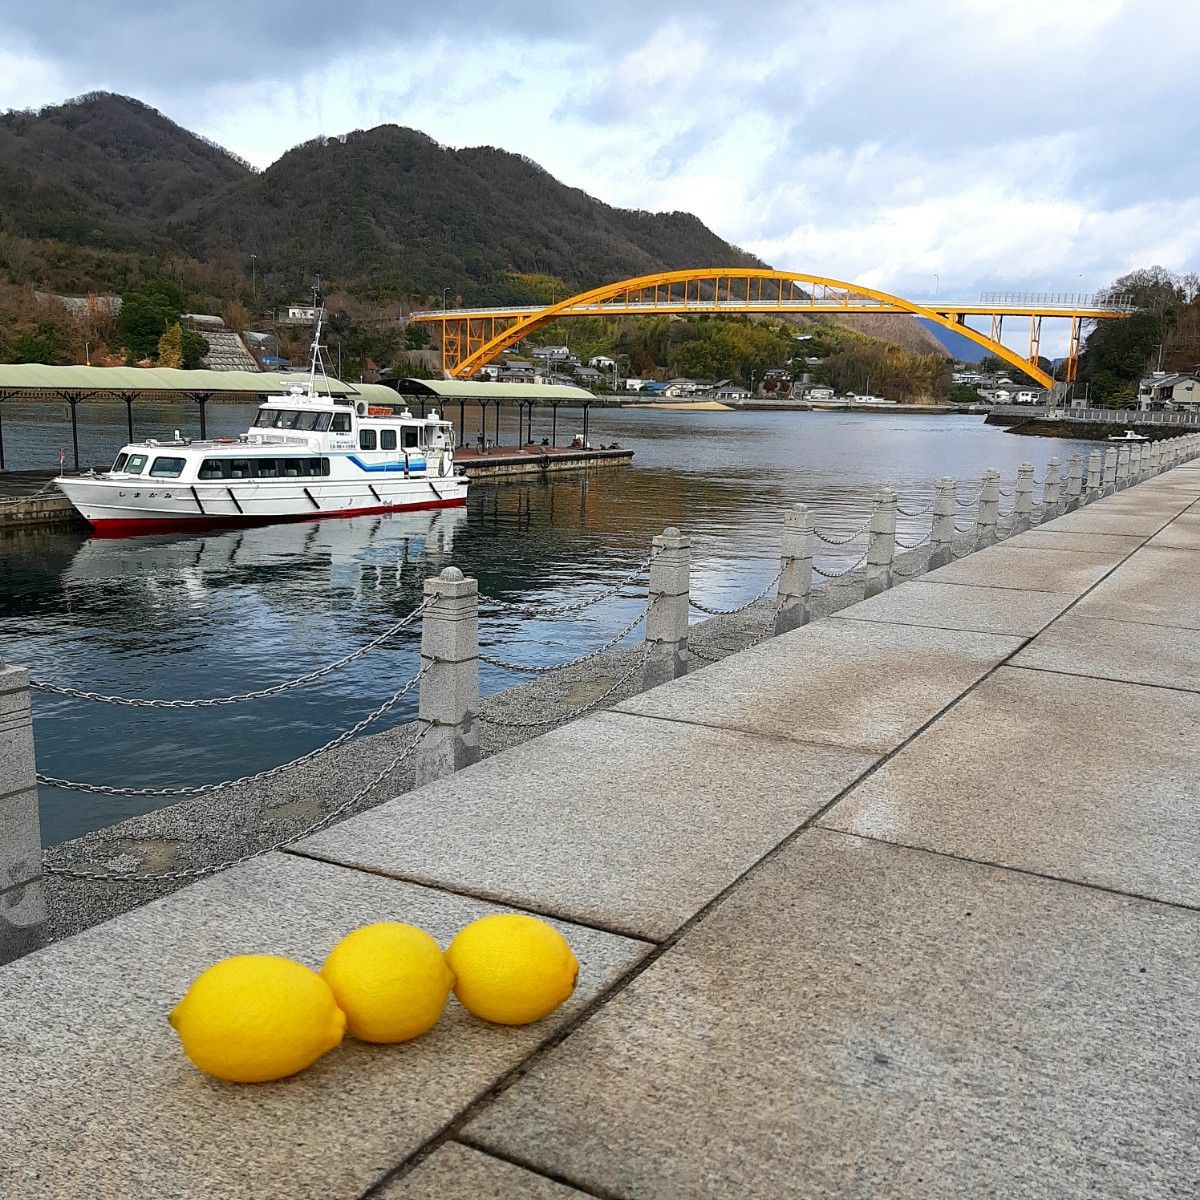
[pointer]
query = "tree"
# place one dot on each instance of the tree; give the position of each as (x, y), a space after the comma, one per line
(194, 348)
(170, 347)
(145, 316)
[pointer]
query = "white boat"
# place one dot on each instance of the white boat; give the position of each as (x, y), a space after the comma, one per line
(307, 456)
(1128, 436)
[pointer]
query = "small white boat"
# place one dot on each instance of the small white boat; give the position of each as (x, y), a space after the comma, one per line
(307, 456)
(1128, 436)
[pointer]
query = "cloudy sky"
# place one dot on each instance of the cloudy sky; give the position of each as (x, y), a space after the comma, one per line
(910, 144)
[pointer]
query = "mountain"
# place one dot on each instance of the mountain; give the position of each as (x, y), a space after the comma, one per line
(957, 346)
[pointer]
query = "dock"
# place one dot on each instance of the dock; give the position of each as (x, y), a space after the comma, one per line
(901, 902)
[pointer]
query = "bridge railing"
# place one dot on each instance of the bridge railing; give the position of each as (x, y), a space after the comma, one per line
(450, 711)
(1101, 416)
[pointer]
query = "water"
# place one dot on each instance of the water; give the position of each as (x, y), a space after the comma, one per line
(222, 612)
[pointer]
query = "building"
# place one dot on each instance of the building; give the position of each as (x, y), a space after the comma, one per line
(297, 314)
(601, 362)
(1167, 390)
(552, 353)
(588, 376)
(814, 393)
(728, 390)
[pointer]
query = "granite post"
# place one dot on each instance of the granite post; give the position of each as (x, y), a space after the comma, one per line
(945, 504)
(22, 893)
(1023, 499)
(667, 609)
(881, 544)
(1123, 457)
(1074, 484)
(1093, 475)
(795, 575)
(989, 509)
(1109, 484)
(1051, 490)
(450, 686)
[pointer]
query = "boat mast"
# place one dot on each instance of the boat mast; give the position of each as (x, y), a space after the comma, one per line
(316, 361)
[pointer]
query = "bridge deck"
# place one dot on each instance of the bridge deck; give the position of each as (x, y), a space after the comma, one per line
(903, 903)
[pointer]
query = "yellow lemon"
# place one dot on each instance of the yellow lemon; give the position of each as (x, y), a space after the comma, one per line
(390, 979)
(511, 968)
(257, 1017)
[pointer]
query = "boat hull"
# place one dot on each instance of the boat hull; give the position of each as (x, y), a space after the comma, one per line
(117, 509)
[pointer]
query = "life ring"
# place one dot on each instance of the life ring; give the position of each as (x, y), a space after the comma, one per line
(544, 462)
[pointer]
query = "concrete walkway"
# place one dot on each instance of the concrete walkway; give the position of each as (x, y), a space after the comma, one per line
(901, 904)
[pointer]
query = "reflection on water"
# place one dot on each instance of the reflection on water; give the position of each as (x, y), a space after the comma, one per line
(230, 611)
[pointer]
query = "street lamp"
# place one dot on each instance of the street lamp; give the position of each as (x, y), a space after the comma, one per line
(937, 279)
(446, 299)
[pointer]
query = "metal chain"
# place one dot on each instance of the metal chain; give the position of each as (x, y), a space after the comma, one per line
(835, 541)
(964, 528)
(920, 512)
(918, 569)
(730, 612)
(570, 715)
(838, 574)
(913, 545)
(197, 872)
(1007, 495)
(214, 701)
(103, 789)
(969, 550)
(971, 499)
(573, 662)
(575, 606)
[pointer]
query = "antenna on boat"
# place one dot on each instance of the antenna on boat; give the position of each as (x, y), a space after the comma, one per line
(317, 362)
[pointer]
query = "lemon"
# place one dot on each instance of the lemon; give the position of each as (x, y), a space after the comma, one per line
(257, 1017)
(511, 968)
(390, 979)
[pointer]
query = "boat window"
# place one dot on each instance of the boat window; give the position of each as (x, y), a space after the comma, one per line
(266, 468)
(412, 437)
(387, 439)
(308, 421)
(135, 464)
(214, 468)
(239, 468)
(119, 465)
(167, 468)
(264, 418)
(366, 439)
(341, 422)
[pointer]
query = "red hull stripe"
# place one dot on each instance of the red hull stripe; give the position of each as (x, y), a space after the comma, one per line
(131, 527)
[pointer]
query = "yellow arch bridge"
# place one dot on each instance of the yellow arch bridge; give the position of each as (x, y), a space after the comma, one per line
(471, 338)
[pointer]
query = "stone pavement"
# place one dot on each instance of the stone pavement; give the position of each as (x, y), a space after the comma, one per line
(902, 903)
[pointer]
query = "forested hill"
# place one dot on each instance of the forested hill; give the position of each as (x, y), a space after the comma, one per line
(102, 190)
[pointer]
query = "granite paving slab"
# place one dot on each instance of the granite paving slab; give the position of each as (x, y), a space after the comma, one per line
(1047, 537)
(626, 822)
(1099, 517)
(1083, 779)
(99, 1100)
(1123, 650)
(862, 1021)
(1151, 588)
(960, 606)
(1029, 568)
(457, 1172)
(842, 683)
(1183, 533)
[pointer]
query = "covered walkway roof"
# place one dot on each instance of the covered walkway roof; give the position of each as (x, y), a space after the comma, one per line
(472, 389)
(36, 378)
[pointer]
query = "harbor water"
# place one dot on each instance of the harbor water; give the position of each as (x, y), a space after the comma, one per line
(215, 613)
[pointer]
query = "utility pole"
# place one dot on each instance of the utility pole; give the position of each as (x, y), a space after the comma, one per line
(254, 278)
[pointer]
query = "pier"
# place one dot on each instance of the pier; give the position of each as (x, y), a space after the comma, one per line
(900, 901)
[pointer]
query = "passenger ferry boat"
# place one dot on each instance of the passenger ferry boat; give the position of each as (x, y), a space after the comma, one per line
(307, 456)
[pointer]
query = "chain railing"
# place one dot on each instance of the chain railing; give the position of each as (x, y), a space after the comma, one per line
(276, 689)
(450, 712)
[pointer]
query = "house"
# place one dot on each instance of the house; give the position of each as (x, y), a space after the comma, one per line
(298, 314)
(601, 362)
(588, 376)
(728, 390)
(1030, 396)
(1169, 390)
(815, 393)
(551, 354)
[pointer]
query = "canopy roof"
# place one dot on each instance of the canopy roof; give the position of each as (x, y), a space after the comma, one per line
(33, 377)
(472, 389)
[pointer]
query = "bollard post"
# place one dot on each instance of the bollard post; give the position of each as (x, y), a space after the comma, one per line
(1109, 486)
(667, 609)
(795, 569)
(23, 911)
(1074, 484)
(881, 546)
(1023, 499)
(450, 686)
(1123, 455)
(1155, 458)
(945, 504)
(1051, 490)
(1093, 475)
(989, 509)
